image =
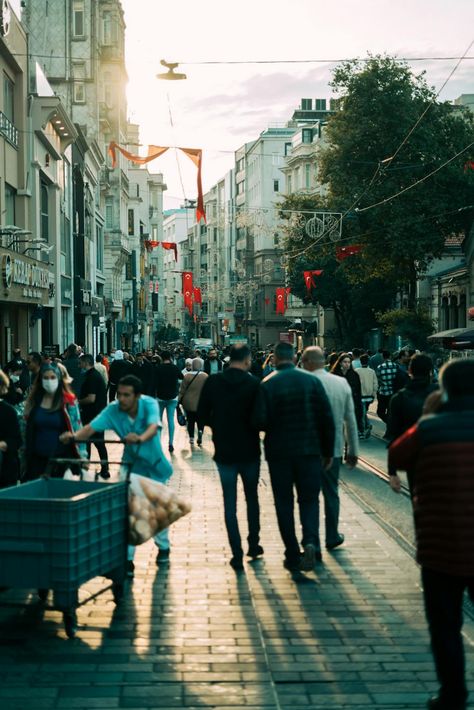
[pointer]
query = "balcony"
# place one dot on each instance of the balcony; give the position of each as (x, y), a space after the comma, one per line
(8, 130)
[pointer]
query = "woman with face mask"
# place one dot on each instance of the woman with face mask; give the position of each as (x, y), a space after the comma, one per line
(50, 410)
(16, 393)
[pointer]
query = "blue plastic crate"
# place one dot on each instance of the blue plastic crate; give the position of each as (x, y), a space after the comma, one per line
(57, 534)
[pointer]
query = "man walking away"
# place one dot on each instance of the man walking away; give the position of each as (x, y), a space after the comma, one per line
(71, 363)
(143, 369)
(226, 405)
(135, 419)
(92, 400)
(118, 369)
(439, 449)
(369, 386)
(167, 377)
(340, 398)
(386, 373)
(294, 411)
(189, 394)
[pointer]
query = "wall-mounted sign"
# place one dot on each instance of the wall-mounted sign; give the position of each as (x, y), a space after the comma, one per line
(7, 270)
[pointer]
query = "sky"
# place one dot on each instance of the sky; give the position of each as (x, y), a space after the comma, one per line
(220, 107)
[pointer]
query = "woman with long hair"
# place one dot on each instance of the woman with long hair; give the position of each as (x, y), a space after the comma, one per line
(343, 368)
(10, 438)
(50, 410)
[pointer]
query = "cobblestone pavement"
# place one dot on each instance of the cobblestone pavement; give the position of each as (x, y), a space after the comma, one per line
(194, 634)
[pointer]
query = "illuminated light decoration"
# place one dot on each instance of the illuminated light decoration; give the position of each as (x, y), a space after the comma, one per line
(350, 250)
(309, 278)
(197, 295)
(154, 151)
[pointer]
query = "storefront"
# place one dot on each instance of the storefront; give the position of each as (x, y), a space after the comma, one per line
(24, 300)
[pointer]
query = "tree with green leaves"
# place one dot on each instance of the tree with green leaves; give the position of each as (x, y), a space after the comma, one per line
(394, 166)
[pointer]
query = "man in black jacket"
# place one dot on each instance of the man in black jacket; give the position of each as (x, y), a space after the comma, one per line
(143, 369)
(226, 403)
(212, 364)
(92, 400)
(294, 411)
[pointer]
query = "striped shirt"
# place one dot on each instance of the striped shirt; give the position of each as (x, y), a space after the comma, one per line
(386, 373)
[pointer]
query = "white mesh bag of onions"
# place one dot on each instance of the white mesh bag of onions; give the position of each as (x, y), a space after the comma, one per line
(152, 506)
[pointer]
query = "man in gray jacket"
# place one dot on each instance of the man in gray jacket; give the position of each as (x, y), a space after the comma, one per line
(294, 411)
(340, 397)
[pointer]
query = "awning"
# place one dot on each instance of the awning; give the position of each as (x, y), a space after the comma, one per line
(456, 338)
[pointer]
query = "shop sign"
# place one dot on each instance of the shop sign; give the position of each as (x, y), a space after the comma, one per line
(33, 280)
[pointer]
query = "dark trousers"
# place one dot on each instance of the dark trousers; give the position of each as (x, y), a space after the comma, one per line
(383, 401)
(443, 596)
(249, 472)
(304, 473)
(330, 489)
(98, 442)
(192, 419)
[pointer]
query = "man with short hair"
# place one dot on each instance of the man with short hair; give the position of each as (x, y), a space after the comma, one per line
(212, 364)
(356, 353)
(226, 404)
(439, 450)
(386, 374)
(143, 369)
(369, 386)
(135, 419)
(166, 378)
(71, 363)
(92, 400)
(340, 397)
(294, 411)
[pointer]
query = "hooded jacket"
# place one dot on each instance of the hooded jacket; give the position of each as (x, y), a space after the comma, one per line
(226, 405)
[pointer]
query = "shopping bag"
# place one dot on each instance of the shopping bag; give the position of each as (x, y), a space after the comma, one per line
(152, 507)
(180, 415)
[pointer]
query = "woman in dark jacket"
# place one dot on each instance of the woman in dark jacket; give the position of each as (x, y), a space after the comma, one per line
(10, 438)
(343, 368)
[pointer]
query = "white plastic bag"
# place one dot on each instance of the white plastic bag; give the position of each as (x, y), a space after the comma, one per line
(152, 507)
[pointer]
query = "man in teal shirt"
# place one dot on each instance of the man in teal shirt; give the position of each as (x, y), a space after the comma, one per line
(135, 418)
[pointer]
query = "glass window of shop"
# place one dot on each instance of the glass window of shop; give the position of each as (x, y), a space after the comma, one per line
(44, 211)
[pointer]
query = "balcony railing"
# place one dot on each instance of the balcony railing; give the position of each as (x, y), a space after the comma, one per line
(8, 130)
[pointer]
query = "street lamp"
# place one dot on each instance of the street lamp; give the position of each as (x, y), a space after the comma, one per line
(171, 75)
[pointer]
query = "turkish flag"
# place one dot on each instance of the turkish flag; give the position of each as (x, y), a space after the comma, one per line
(149, 245)
(469, 165)
(188, 290)
(197, 295)
(309, 278)
(351, 249)
(171, 246)
(281, 297)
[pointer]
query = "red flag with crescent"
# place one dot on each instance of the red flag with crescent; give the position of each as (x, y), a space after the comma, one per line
(281, 297)
(349, 250)
(197, 295)
(188, 290)
(170, 246)
(309, 278)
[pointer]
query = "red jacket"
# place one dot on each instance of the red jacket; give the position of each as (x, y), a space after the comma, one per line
(439, 449)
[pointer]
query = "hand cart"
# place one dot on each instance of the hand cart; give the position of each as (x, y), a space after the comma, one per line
(57, 534)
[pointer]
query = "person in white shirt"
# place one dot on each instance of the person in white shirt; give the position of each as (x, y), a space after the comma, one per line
(340, 397)
(356, 364)
(369, 386)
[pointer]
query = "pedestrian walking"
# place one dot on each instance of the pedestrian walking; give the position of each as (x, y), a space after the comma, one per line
(10, 438)
(293, 410)
(343, 368)
(376, 359)
(167, 379)
(119, 368)
(189, 393)
(135, 418)
(386, 374)
(71, 363)
(226, 404)
(212, 364)
(340, 397)
(101, 368)
(144, 370)
(369, 386)
(439, 450)
(50, 410)
(92, 400)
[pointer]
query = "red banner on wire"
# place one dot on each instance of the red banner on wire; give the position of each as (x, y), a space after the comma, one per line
(350, 250)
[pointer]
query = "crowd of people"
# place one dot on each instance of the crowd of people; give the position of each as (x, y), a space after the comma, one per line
(313, 409)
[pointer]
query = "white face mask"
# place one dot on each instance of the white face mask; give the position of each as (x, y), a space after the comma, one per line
(50, 386)
(14, 378)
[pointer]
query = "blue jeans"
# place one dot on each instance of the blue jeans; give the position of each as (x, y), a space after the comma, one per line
(304, 473)
(170, 406)
(249, 472)
(330, 488)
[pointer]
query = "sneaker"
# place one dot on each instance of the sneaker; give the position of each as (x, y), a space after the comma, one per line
(199, 439)
(438, 703)
(237, 564)
(191, 441)
(308, 560)
(171, 448)
(105, 475)
(339, 541)
(163, 557)
(255, 551)
(130, 568)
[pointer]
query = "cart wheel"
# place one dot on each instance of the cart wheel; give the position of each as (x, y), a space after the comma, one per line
(117, 591)
(70, 624)
(43, 594)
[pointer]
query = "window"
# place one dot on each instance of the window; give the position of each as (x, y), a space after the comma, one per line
(109, 214)
(306, 104)
(307, 175)
(10, 195)
(131, 223)
(287, 148)
(8, 97)
(307, 135)
(298, 179)
(99, 247)
(320, 104)
(44, 211)
(289, 185)
(78, 26)
(109, 29)
(276, 185)
(79, 74)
